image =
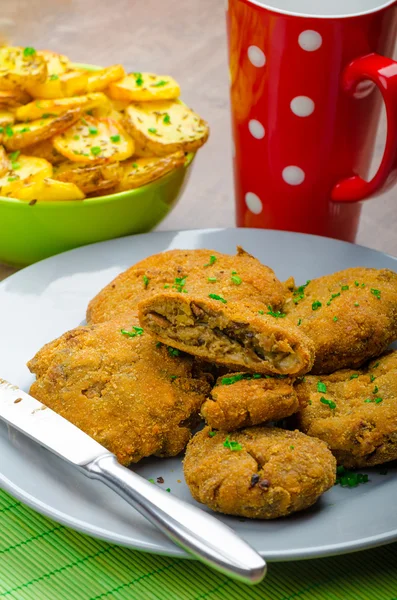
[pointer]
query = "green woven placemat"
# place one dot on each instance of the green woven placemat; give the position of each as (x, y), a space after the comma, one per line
(42, 560)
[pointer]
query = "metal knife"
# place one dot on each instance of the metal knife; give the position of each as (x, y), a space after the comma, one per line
(198, 533)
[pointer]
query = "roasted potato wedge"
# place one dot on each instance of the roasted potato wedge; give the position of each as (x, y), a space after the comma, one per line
(143, 87)
(45, 150)
(165, 127)
(5, 164)
(52, 108)
(95, 141)
(22, 135)
(23, 170)
(99, 80)
(49, 190)
(140, 171)
(21, 66)
(13, 98)
(69, 83)
(90, 178)
(56, 63)
(6, 118)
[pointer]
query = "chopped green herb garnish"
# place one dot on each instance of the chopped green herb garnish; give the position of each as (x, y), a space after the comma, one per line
(179, 283)
(15, 155)
(354, 376)
(172, 377)
(138, 79)
(330, 403)
(212, 260)
(376, 293)
(152, 130)
(135, 165)
(151, 480)
(24, 130)
(363, 285)
(356, 304)
(76, 137)
(236, 279)
(1, 129)
(216, 297)
(211, 279)
(239, 377)
(136, 331)
(95, 150)
(48, 115)
(115, 138)
(378, 400)
(375, 400)
(15, 166)
(349, 478)
(29, 51)
(160, 83)
(53, 77)
(335, 319)
(145, 280)
(277, 315)
(372, 378)
(375, 366)
(316, 305)
(166, 286)
(299, 321)
(375, 390)
(173, 351)
(167, 119)
(261, 312)
(344, 288)
(158, 344)
(299, 293)
(9, 131)
(332, 297)
(211, 433)
(356, 283)
(321, 387)
(292, 447)
(168, 490)
(84, 122)
(93, 131)
(12, 178)
(234, 446)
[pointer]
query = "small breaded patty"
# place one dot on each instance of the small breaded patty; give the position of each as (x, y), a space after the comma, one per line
(239, 277)
(133, 397)
(351, 316)
(260, 472)
(355, 412)
(234, 334)
(243, 400)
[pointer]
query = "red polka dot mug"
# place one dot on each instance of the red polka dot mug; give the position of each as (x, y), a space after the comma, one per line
(303, 76)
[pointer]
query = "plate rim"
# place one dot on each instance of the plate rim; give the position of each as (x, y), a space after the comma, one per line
(176, 552)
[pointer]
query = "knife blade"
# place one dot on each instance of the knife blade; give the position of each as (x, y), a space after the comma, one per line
(197, 532)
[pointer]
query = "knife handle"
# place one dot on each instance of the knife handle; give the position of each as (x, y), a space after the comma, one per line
(198, 533)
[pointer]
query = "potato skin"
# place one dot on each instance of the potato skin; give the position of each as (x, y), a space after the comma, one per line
(360, 433)
(352, 324)
(275, 473)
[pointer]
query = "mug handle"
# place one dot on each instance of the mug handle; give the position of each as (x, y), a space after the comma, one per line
(383, 72)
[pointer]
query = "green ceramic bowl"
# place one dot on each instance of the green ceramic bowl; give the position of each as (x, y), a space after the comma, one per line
(30, 233)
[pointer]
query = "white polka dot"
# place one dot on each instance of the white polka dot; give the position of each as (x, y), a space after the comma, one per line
(253, 202)
(293, 175)
(256, 129)
(256, 56)
(310, 40)
(302, 106)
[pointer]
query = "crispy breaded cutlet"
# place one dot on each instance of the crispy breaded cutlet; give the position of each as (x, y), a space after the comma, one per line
(354, 411)
(351, 316)
(135, 398)
(259, 473)
(243, 400)
(242, 276)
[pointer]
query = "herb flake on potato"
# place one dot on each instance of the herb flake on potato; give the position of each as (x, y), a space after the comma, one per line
(90, 178)
(21, 66)
(141, 171)
(23, 170)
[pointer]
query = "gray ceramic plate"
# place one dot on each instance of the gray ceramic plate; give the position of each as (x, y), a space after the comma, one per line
(44, 300)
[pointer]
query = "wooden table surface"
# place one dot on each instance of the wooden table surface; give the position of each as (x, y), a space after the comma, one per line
(186, 39)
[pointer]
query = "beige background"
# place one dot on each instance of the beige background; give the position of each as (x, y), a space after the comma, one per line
(185, 38)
